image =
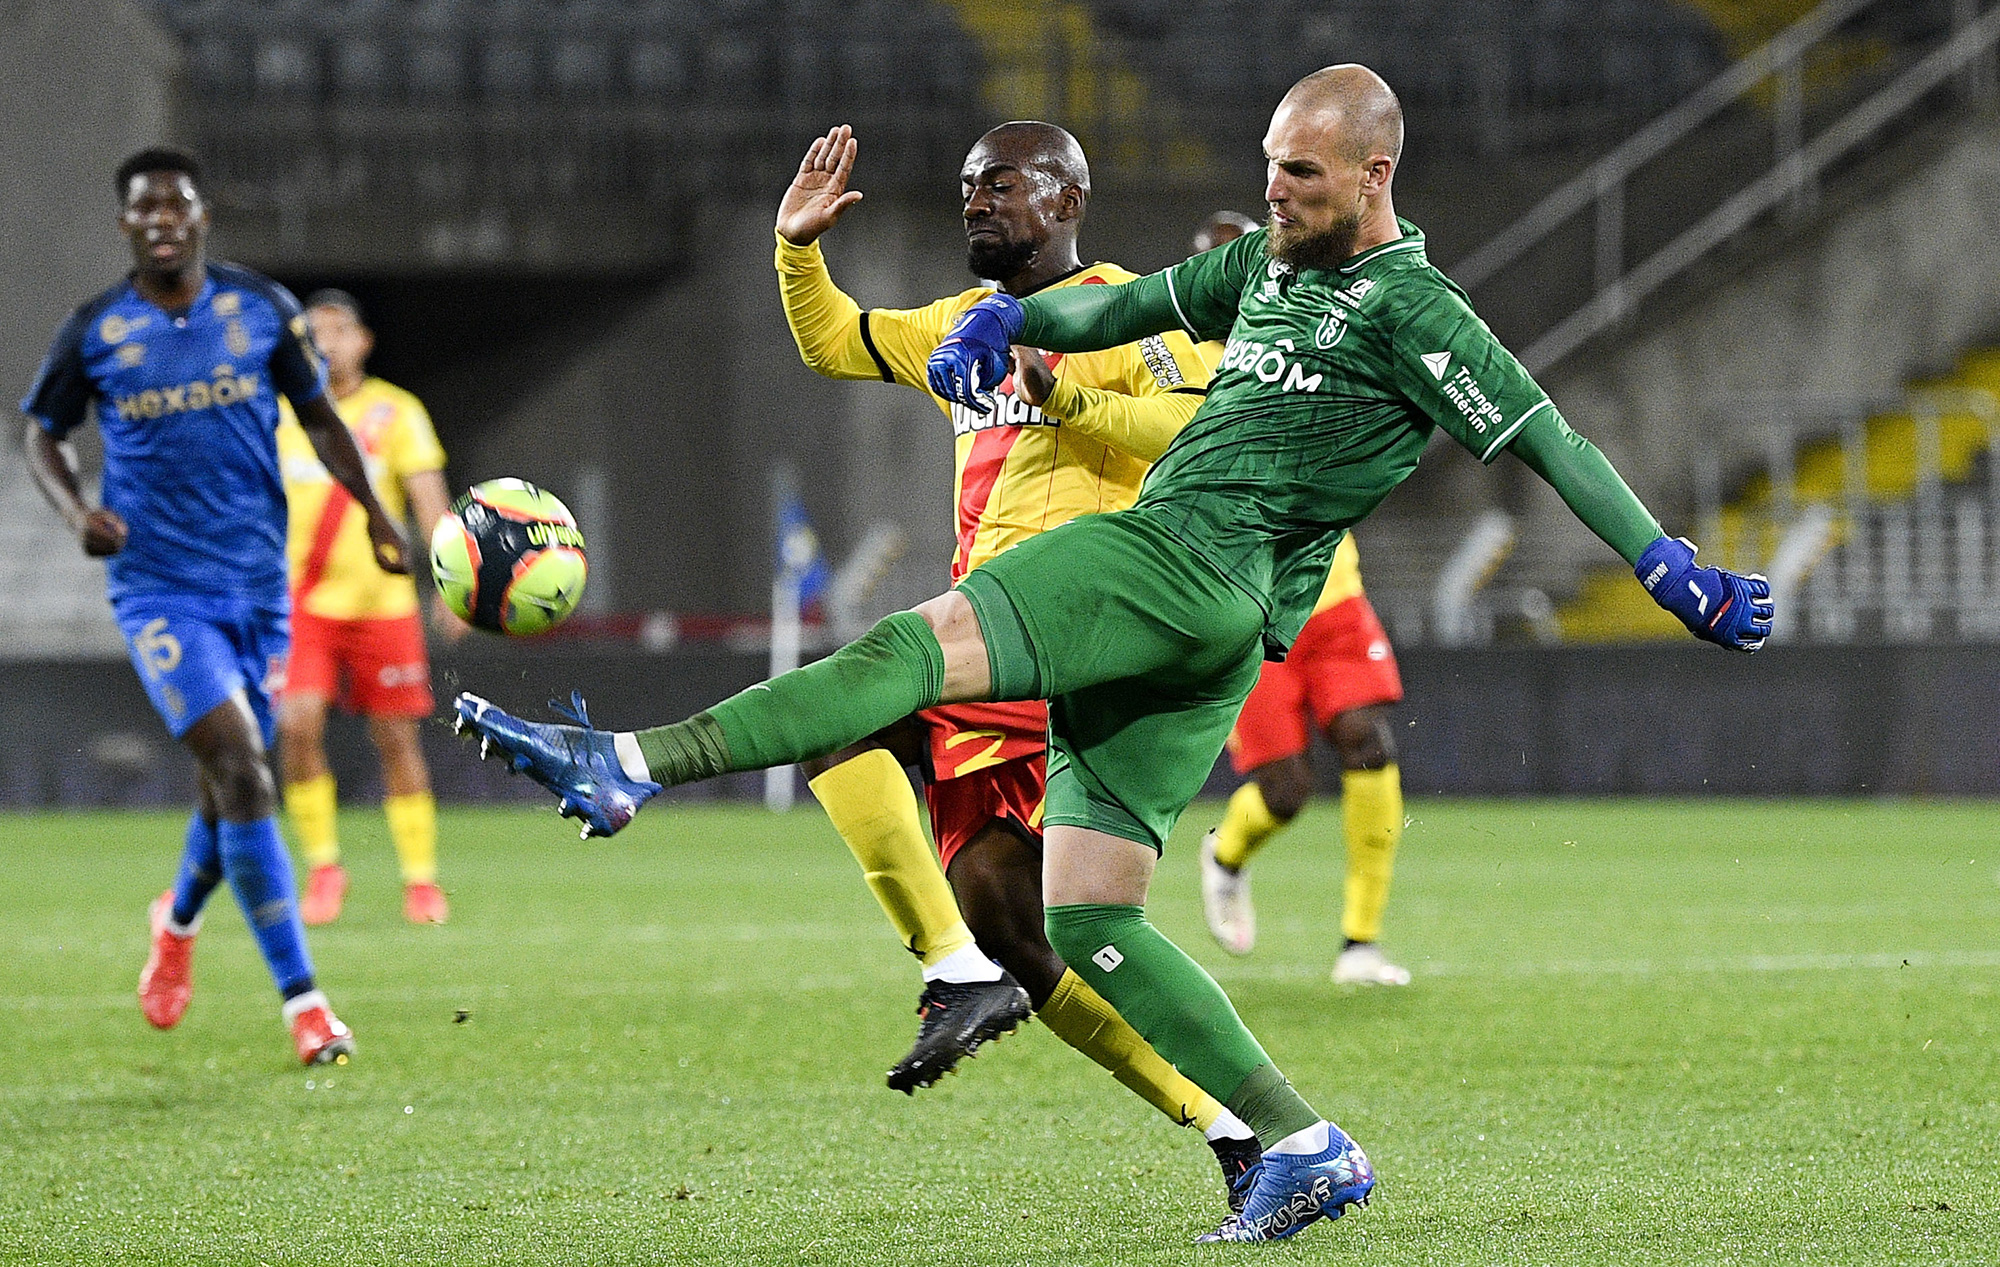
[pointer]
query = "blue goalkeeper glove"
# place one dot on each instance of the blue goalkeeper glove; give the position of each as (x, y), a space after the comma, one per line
(1715, 604)
(974, 358)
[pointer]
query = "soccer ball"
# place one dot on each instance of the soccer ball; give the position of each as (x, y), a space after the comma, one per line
(509, 558)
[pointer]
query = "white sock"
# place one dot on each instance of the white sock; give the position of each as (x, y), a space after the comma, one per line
(188, 929)
(964, 965)
(1228, 1126)
(630, 759)
(1313, 1139)
(302, 1003)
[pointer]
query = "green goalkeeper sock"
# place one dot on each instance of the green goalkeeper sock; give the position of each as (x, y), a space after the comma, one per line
(1181, 1011)
(891, 671)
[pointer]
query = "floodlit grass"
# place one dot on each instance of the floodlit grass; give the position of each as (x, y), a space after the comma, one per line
(1641, 1032)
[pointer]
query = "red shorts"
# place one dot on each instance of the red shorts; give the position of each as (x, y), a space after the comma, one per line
(376, 668)
(1341, 662)
(986, 763)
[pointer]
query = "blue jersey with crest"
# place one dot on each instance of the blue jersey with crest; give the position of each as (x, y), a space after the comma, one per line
(188, 406)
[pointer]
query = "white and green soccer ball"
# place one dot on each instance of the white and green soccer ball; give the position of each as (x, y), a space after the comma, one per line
(509, 558)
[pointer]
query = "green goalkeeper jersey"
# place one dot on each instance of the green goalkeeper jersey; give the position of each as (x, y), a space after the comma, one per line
(1328, 389)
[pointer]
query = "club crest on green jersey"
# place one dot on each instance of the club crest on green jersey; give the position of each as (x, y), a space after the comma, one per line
(1332, 328)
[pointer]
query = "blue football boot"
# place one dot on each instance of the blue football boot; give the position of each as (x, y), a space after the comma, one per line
(1294, 1189)
(578, 764)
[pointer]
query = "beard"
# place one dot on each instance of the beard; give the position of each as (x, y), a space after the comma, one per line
(1304, 249)
(997, 259)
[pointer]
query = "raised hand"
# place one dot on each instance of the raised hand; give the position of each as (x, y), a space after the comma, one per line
(818, 195)
(973, 359)
(1716, 605)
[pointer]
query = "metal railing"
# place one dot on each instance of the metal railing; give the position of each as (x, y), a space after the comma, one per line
(1790, 181)
(1858, 565)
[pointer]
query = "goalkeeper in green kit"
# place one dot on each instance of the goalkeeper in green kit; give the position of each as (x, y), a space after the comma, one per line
(1144, 629)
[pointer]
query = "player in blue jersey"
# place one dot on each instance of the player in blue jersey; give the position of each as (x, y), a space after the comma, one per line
(182, 363)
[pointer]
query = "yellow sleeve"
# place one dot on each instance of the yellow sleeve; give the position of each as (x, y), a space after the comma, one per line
(1142, 426)
(414, 444)
(1145, 394)
(837, 339)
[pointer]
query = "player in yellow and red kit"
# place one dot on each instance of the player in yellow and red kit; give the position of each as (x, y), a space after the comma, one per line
(356, 635)
(1069, 436)
(1340, 679)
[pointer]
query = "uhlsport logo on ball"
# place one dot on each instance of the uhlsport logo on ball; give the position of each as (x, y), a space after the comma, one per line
(509, 558)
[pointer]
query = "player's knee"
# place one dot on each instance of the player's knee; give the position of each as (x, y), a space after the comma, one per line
(1286, 787)
(241, 784)
(298, 732)
(1015, 938)
(1363, 739)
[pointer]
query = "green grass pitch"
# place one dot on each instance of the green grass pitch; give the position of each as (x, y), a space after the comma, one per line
(1640, 1032)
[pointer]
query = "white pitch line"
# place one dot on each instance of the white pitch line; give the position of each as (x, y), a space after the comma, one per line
(1289, 971)
(1705, 966)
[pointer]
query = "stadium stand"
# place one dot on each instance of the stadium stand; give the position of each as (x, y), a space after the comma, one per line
(407, 138)
(1894, 516)
(1775, 292)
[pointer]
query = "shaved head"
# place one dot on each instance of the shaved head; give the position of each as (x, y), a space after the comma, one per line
(1369, 118)
(1031, 146)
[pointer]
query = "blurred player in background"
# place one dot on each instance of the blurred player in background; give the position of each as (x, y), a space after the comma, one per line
(356, 634)
(183, 362)
(1340, 679)
(1045, 455)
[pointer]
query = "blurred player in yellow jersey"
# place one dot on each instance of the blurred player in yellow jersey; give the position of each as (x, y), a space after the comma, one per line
(1341, 680)
(1069, 436)
(356, 635)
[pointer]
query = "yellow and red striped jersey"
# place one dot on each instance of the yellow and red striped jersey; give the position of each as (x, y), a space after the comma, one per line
(1021, 469)
(332, 563)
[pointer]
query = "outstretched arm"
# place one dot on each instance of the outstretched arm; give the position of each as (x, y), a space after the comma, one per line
(1089, 318)
(1715, 604)
(973, 358)
(1197, 295)
(1580, 472)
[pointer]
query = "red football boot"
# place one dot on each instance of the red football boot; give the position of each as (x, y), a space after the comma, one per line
(423, 903)
(317, 1033)
(166, 983)
(326, 889)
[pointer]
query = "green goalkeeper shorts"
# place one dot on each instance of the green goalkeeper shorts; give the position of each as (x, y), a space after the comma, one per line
(1145, 652)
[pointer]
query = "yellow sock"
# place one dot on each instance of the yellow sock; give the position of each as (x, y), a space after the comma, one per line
(1080, 1017)
(872, 807)
(1371, 807)
(1246, 825)
(413, 827)
(310, 805)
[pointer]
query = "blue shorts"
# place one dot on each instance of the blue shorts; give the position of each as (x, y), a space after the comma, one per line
(195, 651)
